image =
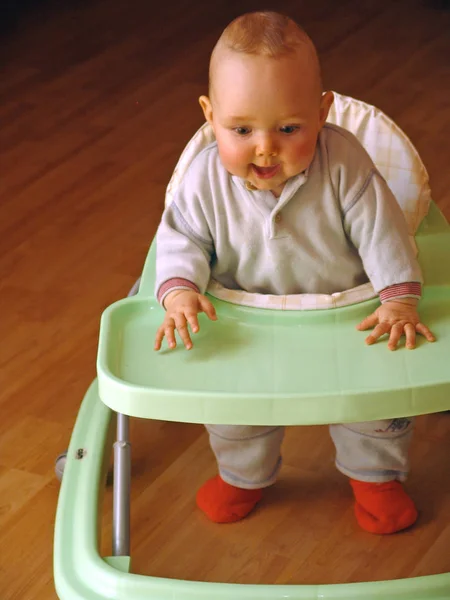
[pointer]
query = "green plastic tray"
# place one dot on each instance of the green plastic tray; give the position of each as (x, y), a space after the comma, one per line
(257, 366)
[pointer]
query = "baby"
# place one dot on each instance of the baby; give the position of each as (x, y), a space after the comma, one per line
(285, 203)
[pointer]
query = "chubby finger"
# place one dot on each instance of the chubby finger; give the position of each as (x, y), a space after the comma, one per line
(423, 330)
(207, 308)
(183, 332)
(379, 330)
(368, 322)
(169, 332)
(159, 338)
(410, 332)
(193, 321)
(395, 335)
(165, 330)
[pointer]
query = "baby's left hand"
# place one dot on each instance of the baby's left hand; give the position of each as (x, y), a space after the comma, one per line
(396, 317)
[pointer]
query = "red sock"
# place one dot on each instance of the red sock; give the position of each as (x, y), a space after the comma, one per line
(383, 507)
(224, 503)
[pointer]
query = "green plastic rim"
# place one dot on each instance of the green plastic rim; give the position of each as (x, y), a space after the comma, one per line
(82, 574)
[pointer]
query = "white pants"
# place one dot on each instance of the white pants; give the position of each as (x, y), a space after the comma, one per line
(250, 456)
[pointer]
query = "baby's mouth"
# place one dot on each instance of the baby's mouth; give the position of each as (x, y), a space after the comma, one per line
(265, 172)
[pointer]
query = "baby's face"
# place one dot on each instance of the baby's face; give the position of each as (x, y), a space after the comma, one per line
(266, 114)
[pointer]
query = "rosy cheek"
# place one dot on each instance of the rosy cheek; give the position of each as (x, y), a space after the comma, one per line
(226, 155)
(305, 148)
(233, 156)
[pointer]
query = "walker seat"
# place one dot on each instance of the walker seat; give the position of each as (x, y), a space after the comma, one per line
(303, 364)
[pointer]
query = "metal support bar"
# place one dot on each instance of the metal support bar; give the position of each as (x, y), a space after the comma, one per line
(122, 479)
(121, 488)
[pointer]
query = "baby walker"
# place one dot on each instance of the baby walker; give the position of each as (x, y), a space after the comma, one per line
(251, 384)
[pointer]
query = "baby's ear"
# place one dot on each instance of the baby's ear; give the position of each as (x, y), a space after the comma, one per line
(325, 104)
(205, 103)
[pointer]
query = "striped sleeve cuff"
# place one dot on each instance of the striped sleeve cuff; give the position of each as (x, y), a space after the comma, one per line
(176, 283)
(410, 289)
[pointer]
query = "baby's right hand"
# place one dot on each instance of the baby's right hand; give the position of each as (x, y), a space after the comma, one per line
(182, 307)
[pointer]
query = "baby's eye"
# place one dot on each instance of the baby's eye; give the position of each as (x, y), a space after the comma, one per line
(289, 129)
(242, 130)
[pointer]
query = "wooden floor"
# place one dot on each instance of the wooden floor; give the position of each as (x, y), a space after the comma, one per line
(97, 100)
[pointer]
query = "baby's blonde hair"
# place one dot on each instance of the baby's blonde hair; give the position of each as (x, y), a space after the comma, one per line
(264, 33)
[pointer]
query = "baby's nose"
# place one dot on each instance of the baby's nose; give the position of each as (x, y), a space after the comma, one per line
(266, 146)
